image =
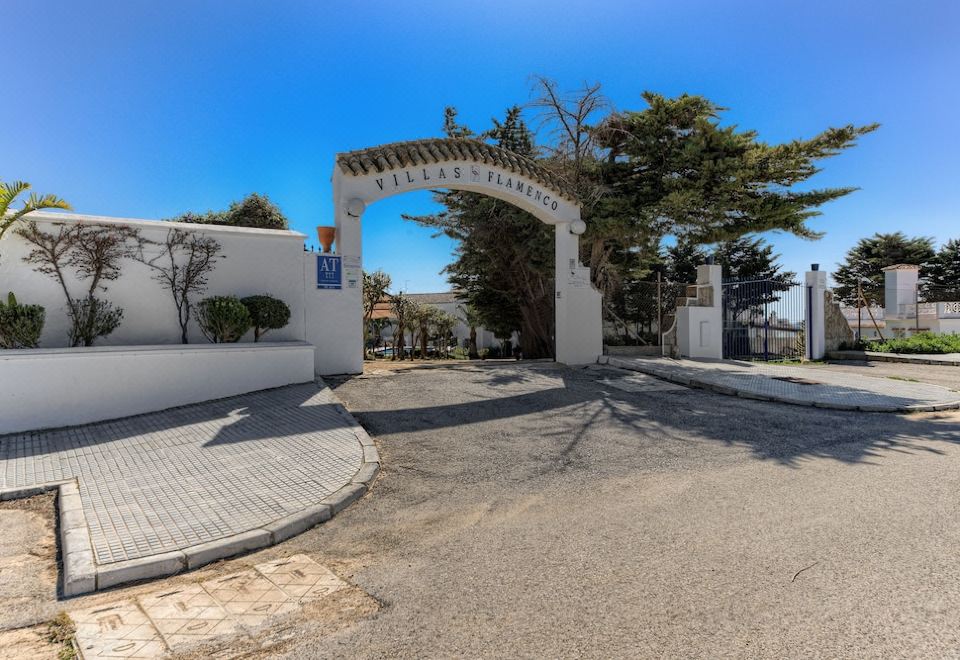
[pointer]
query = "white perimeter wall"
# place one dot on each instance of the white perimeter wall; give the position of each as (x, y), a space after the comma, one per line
(142, 366)
(256, 261)
(45, 388)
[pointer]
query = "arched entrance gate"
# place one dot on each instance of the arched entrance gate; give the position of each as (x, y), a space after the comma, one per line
(363, 177)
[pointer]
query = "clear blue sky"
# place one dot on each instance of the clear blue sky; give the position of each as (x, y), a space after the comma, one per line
(149, 109)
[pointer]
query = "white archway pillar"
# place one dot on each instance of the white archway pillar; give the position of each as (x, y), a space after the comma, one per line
(578, 311)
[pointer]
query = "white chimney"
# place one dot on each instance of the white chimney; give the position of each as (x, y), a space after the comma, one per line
(900, 290)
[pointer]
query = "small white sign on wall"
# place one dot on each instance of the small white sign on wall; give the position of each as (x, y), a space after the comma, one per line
(352, 277)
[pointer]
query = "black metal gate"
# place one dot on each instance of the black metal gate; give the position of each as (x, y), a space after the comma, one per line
(765, 319)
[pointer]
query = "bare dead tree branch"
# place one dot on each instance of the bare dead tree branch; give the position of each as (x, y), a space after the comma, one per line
(182, 266)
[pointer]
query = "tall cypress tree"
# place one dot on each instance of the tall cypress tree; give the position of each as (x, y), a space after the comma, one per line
(866, 260)
(688, 176)
(504, 257)
(944, 273)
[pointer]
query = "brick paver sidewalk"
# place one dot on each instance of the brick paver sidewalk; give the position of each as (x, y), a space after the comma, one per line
(172, 480)
(820, 387)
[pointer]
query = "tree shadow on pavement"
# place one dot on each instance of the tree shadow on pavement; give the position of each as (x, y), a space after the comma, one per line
(276, 413)
(577, 410)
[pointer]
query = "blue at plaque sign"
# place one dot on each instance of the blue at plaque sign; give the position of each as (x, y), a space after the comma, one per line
(328, 272)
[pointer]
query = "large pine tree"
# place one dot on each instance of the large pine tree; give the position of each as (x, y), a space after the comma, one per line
(669, 169)
(504, 256)
(864, 263)
(944, 272)
(687, 175)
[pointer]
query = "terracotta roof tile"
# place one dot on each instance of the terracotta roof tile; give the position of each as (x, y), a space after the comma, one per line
(901, 267)
(438, 150)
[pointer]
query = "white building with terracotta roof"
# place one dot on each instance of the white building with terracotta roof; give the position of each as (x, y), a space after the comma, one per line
(448, 302)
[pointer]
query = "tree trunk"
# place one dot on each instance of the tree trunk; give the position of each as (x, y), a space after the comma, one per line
(472, 351)
(398, 347)
(535, 340)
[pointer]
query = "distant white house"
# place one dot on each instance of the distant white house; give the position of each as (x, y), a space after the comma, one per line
(901, 314)
(448, 302)
(860, 321)
(905, 315)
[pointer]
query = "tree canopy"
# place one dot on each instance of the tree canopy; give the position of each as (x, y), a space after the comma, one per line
(864, 263)
(669, 169)
(944, 270)
(254, 210)
(503, 263)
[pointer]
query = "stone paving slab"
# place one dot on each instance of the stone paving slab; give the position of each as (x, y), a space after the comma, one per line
(152, 625)
(163, 492)
(821, 387)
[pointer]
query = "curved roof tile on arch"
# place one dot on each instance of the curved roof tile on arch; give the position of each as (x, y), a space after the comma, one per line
(438, 150)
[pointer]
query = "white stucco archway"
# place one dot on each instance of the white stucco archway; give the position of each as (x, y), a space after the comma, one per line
(366, 176)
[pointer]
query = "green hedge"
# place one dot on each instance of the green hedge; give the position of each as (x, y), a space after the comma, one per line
(20, 325)
(922, 342)
(266, 313)
(223, 319)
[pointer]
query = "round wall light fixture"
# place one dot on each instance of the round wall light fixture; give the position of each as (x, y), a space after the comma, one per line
(356, 207)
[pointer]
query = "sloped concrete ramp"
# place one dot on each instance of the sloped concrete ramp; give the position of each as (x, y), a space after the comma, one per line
(820, 387)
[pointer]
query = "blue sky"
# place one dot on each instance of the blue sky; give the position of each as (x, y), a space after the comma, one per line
(148, 109)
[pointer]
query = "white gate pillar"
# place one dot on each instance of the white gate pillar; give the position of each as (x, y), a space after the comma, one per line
(578, 306)
(816, 281)
(700, 321)
(334, 317)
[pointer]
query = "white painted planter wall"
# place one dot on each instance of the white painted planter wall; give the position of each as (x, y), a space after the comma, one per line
(256, 261)
(45, 388)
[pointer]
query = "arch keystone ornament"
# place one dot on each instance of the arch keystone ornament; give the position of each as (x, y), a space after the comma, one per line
(363, 177)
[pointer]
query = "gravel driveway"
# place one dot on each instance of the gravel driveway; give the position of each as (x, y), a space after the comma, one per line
(533, 510)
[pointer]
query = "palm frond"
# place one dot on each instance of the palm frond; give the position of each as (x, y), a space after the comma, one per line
(9, 192)
(35, 202)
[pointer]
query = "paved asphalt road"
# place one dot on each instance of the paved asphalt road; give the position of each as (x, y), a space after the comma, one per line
(533, 511)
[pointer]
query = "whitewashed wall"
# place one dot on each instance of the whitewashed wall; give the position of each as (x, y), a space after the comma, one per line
(47, 388)
(256, 261)
(142, 366)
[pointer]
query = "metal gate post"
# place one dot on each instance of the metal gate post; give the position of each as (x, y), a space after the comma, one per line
(816, 279)
(659, 314)
(766, 323)
(916, 307)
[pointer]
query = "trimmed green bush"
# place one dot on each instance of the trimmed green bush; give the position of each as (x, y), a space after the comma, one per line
(223, 319)
(91, 318)
(20, 325)
(922, 342)
(266, 313)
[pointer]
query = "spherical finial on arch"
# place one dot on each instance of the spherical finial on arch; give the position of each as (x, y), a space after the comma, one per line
(356, 207)
(578, 227)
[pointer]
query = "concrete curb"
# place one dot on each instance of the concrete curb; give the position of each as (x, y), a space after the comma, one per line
(746, 394)
(81, 573)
